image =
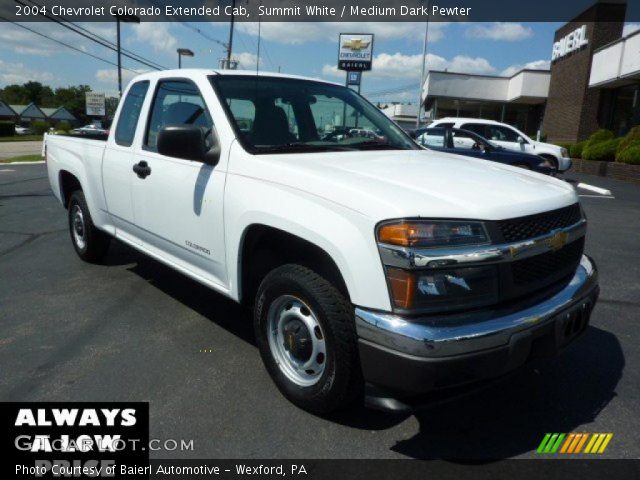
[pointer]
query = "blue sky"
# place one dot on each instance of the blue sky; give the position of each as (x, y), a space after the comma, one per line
(298, 48)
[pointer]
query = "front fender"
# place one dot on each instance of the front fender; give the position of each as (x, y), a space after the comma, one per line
(346, 235)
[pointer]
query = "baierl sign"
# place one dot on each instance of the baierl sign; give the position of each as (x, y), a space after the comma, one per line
(570, 43)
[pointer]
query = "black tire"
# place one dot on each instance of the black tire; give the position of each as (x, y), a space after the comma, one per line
(341, 380)
(92, 245)
(522, 165)
(553, 162)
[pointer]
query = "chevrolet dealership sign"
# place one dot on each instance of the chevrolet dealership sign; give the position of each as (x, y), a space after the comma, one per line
(356, 51)
(570, 43)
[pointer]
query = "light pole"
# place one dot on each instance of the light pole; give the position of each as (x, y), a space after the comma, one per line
(125, 19)
(424, 61)
(183, 52)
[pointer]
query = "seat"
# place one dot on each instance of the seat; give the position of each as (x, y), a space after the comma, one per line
(270, 126)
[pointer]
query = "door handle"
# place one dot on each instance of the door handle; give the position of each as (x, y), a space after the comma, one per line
(142, 169)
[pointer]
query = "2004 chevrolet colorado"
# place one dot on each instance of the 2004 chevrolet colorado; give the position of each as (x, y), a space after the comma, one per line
(373, 265)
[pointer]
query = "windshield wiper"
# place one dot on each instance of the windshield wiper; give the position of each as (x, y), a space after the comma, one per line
(372, 144)
(301, 147)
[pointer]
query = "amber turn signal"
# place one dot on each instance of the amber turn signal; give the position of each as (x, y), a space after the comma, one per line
(403, 287)
(404, 234)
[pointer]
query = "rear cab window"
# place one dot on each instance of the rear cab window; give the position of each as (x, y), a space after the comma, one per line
(130, 113)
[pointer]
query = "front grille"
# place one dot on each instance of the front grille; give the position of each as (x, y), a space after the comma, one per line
(531, 226)
(549, 266)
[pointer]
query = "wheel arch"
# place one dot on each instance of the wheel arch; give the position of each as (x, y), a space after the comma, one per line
(264, 247)
(68, 183)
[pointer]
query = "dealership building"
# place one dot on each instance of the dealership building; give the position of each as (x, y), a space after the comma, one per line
(593, 82)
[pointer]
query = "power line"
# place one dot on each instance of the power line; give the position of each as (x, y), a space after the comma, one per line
(141, 58)
(103, 43)
(391, 91)
(65, 44)
(204, 35)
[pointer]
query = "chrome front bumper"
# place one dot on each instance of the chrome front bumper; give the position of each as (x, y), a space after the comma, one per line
(454, 335)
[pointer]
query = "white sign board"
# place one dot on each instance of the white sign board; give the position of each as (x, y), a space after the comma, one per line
(95, 104)
(356, 51)
(570, 43)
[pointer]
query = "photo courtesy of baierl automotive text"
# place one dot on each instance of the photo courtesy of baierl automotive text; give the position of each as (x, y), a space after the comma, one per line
(346, 239)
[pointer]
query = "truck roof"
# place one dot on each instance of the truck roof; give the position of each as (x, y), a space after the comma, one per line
(468, 119)
(187, 72)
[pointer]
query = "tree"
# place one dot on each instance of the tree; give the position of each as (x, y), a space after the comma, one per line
(72, 98)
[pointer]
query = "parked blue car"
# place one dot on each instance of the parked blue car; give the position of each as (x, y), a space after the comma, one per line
(464, 142)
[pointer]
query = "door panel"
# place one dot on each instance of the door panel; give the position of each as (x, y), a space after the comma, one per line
(179, 205)
(119, 158)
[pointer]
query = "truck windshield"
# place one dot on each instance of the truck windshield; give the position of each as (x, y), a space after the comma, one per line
(283, 115)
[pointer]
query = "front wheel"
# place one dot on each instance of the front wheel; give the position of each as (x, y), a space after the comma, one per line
(305, 331)
(552, 163)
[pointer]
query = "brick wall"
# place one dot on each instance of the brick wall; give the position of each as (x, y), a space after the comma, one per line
(619, 171)
(571, 114)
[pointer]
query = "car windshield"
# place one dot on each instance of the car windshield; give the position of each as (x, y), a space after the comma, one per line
(272, 114)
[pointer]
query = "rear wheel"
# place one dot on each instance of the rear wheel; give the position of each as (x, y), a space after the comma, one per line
(306, 335)
(90, 243)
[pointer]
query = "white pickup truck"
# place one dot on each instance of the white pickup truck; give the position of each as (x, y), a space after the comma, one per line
(376, 269)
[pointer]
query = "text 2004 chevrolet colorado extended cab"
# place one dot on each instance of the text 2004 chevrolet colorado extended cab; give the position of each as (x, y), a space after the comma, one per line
(372, 265)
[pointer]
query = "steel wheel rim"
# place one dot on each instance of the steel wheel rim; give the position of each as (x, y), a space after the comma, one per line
(78, 227)
(302, 359)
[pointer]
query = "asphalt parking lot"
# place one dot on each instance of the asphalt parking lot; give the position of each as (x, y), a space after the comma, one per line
(135, 330)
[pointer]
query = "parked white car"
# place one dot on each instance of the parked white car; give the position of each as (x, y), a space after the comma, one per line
(90, 129)
(373, 266)
(510, 138)
(20, 130)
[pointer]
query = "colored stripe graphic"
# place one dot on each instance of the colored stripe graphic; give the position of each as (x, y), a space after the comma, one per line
(581, 442)
(543, 443)
(573, 443)
(551, 443)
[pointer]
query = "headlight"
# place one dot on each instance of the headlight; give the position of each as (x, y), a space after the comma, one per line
(564, 152)
(443, 290)
(432, 233)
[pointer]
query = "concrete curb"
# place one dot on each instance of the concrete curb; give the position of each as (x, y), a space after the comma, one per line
(22, 163)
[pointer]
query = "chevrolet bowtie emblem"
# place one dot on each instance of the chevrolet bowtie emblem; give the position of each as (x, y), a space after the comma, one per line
(355, 44)
(558, 241)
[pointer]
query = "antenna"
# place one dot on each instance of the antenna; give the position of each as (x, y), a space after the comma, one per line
(259, 37)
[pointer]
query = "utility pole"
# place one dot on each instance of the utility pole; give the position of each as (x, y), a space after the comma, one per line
(230, 43)
(125, 19)
(119, 59)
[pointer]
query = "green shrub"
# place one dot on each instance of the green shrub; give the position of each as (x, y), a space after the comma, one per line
(599, 136)
(565, 145)
(630, 155)
(631, 138)
(63, 125)
(40, 126)
(576, 149)
(604, 151)
(7, 129)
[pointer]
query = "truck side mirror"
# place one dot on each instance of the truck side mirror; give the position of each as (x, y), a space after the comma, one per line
(187, 142)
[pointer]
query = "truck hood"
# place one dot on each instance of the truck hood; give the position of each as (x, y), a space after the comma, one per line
(415, 183)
